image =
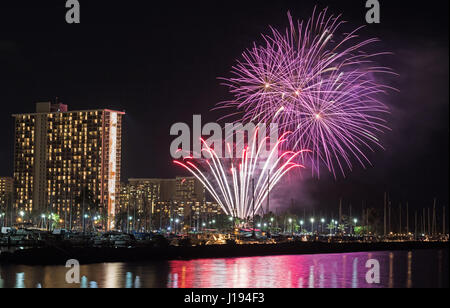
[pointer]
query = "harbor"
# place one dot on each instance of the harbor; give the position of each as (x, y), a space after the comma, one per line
(41, 247)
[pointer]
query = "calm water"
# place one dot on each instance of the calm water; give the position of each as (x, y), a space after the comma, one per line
(398, 270)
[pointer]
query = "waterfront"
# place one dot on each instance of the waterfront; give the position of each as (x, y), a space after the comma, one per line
(412, 269)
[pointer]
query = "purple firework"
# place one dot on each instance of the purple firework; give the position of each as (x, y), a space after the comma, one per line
(317, 83)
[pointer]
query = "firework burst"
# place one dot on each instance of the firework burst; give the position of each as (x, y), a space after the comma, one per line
(240, 186)
(317, 83)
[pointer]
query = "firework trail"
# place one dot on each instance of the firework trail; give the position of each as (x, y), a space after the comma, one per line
(240, 186)
(320, 85)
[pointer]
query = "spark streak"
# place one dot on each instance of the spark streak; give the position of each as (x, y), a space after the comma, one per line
(230, 181)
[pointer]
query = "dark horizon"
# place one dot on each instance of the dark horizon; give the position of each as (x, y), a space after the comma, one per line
(161, 64)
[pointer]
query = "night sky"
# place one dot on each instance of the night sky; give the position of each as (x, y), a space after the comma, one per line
(160, 63)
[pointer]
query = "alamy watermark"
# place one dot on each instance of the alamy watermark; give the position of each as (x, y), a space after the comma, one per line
(73, 274)
(73, 14)
(228, 142)
(373, 275)
(373, 15)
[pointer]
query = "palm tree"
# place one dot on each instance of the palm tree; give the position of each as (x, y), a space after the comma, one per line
(331, 227)
(88, 203)
(122, 220)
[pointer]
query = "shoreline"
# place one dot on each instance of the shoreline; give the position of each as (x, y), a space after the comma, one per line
(59, 255)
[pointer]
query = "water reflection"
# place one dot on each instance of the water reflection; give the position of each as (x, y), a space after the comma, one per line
(409, 278)
(391, 270)
(398, 269)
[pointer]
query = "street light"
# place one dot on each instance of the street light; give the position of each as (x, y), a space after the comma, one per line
(177, 221)
(130, 219)
(312, 225)
(290, 223)
(323, 222)
(301, 225)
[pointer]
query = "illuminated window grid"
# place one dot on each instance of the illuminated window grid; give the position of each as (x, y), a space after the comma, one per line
(74, 158)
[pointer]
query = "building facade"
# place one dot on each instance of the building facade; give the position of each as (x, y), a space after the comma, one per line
(62, 155)
(6, 185)
(189, 189)
(152, 204)
(6, 193)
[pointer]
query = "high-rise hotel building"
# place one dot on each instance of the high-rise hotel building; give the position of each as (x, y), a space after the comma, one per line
(61, 153)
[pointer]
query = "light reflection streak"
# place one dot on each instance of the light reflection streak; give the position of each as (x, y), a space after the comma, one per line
(409, 283)
(421, 269)
(111, 277)
(322, 276)
(129, 280)
(355, 274)
(391, 270)
(311, 277)
(20, 280)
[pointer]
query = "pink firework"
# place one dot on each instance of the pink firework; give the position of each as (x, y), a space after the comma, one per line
(319, 84)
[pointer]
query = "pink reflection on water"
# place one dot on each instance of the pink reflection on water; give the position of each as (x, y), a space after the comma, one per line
(416, 269)
(308, 271)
